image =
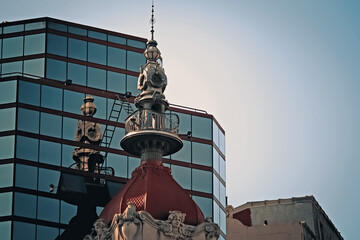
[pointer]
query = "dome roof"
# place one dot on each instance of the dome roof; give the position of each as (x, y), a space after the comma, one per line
(153, 189)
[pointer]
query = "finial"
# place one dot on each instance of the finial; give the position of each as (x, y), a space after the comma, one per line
(152, 21)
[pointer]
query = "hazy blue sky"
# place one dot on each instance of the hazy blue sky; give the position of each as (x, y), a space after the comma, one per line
(282, 78)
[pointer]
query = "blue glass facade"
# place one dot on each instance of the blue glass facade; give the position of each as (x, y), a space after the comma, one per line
(39, 110)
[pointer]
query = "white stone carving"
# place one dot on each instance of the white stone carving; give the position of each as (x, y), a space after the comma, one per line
(133, 225)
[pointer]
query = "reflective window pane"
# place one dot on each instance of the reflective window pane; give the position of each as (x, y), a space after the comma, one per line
(48, 209)
(26, 176)
(222, 221)
(215, 133)
(116, 39)
(201, 181)
(216, 160)
(222, 142)
(51, 97)
(222, 168)
(131, 85)
(5, 230)
(5, 203)
(6, 175)
(47, 177)
(77, 49)
(116, 57)
(202, 154)
(46, 233)
(57, 26)
(7, 147)
(35, 25)
(205, 205)
(78, 31)
(182, 175)
(216, 216)
(184, 123)
(116, 82)
(56, 69)
(50, 152)
(50, 125)
(22, 229)
(77, 73)
(12, 68)
(134, 43)
(184, 154)
(14, 28)
(134, 60)
(27, 148)
(29, 93)
(97, 53)
(28, 120)
(24, 205)
(222, 195)
(7, 117)
(34, 44)
(201, 127)
(35, 67)
(96, 78)
(57, 44)
(97, 35)
(216, 187)
(8, 92)
(133, 163)
(68, 211)
(69, 128)
(118, 163)
(73, 101)
(118, 135)
(12, 47)
(67, 151)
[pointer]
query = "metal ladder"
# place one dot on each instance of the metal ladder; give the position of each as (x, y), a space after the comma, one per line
(119, 104)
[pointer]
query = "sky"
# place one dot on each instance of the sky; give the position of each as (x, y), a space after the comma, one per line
(281, 77)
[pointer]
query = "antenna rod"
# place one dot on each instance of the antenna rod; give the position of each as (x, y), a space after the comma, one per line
(152, 21)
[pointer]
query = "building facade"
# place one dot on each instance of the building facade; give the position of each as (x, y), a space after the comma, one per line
(47, 68)
(300, 218)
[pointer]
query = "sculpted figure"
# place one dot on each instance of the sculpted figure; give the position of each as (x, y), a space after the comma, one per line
(101, 229)
(176, 226)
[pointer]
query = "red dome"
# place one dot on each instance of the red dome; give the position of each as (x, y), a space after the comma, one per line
(153, 189)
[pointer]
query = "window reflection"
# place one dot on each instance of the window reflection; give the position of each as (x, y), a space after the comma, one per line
(116, 39)
(29, 93)
(50, 125)
(201, 180)
(68, 211)
(12, 67)
(216, 187)
(7, 117)
(57, 44)
(12, 47)
(5, 229)
(185, 123)
(57, 26)
(119, 163)
(134, 43)
(201, 127)
(35, 25)
(8, 92)
(56, 69)
(22, 229)
(35, 67)
(202, 154)
(69, 127)
(77, 49)
(26, 176)
(6, 175)
(28, 120)
(97, 53)
(48, 209)
(34, 44)
(97, 35)
(7, 147)
(133, 163)
(67, 151)
(131, 85)
(116, 82)
(184, 154)
(78, 31)
(77, 73)
(96, 78)
(46, 233)
(182, 175)
(27, 148)
(134, 60)
(50, 152)
(24, 205)
(116, 57)
(14, 28)
(51, 97)
(205, 204)
(73, 101)
(47, 177)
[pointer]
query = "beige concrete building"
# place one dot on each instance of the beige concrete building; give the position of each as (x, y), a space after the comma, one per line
(300, 218)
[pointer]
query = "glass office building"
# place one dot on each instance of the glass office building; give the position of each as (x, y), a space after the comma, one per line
(47, 67)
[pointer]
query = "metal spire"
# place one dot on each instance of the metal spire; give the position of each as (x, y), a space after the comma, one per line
(152, 21)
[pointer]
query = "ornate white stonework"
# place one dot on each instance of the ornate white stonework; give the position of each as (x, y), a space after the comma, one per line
(133, 225)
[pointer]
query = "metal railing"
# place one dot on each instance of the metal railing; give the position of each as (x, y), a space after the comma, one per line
(150, 120)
